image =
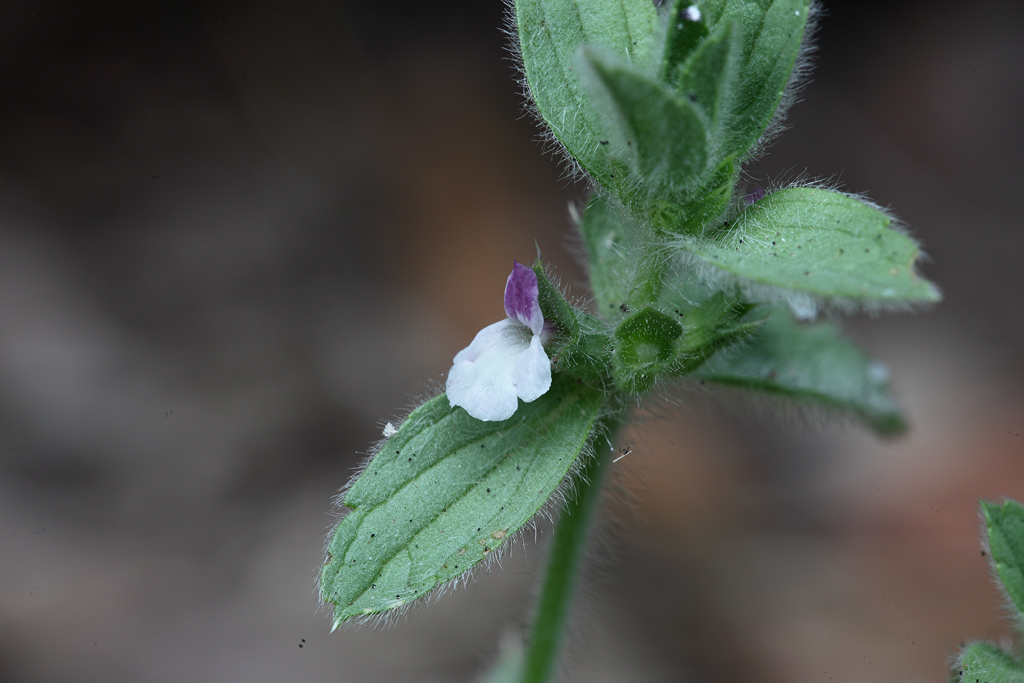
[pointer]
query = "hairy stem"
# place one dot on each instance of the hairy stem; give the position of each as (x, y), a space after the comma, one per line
(567, 550)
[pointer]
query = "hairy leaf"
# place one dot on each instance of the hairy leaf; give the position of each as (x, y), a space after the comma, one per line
(769, 34)
(987, 664)
(811, 363)
(820, 242)
(551, 32)
(683, 33)
(446, 491)
(711, 324)
(706, 79)
(663, 134)
(625, 260)
(1005, 525)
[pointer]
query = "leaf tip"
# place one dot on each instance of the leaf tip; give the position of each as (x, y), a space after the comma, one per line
(933, 294)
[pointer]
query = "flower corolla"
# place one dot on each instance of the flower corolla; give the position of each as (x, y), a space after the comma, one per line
(506, 361)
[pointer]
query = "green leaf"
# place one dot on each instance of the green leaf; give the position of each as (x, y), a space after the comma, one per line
(820, 242)
(661, 133)
(739, 73)
(682, 36)
(811, 363)
(625, 259)
(1005, 524)
(445, 492)
(551, 33)
(769, 34)
(706, 79)
(987, 664)
(701, 209)
(713, 323)
(613, 240)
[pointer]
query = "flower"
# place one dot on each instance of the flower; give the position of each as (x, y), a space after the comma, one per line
(505, 361)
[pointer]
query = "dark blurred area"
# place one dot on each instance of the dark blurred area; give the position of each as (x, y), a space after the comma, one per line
(236, 238)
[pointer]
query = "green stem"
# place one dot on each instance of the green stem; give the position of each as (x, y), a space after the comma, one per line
(567, 550)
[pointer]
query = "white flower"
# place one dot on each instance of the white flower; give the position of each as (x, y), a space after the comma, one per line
(506, 361)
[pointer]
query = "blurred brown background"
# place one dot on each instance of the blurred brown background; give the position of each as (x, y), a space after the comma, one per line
(235, 238)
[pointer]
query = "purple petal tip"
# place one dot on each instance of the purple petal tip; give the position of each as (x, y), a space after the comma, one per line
(522, 297)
